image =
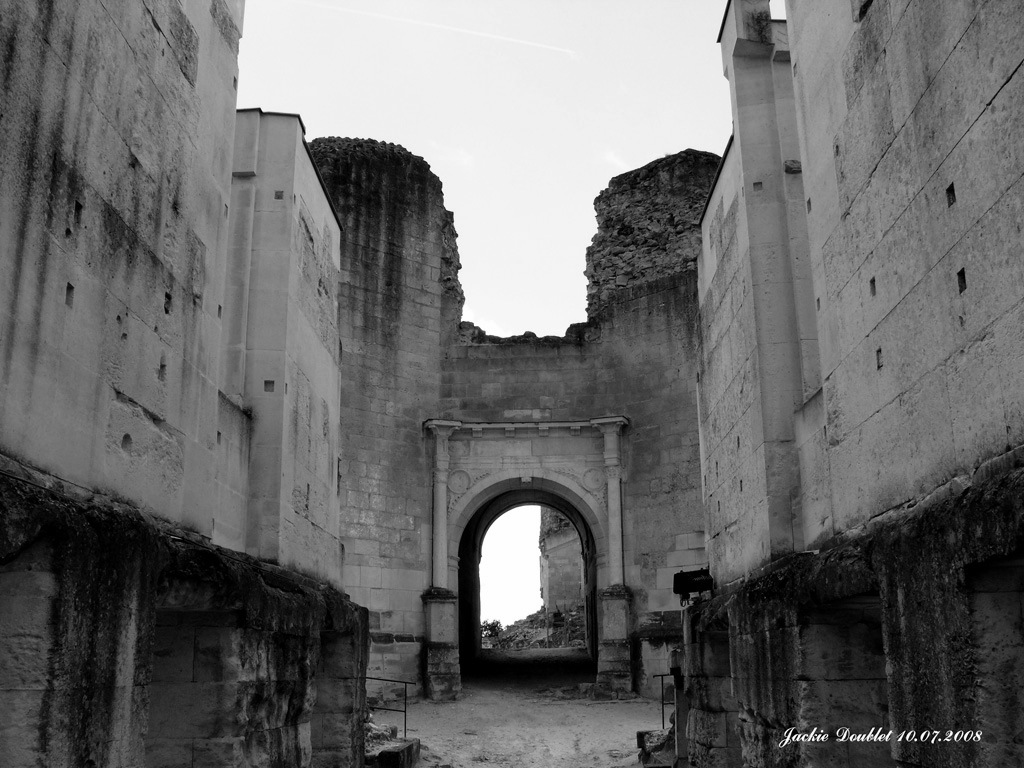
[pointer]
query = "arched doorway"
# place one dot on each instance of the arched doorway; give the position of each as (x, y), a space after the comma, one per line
(484, 469)
(470, 549)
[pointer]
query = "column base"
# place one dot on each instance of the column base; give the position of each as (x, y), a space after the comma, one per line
(442, 678)
(615, 649)
(615, 666)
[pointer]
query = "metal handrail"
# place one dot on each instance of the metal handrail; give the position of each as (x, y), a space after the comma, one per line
(661, 696)
(405, 698)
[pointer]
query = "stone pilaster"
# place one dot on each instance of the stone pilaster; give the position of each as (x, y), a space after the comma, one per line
(611, 427)
(442, 431)
(614, 653)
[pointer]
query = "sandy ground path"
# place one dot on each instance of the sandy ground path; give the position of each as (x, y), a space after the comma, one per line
(529, 717)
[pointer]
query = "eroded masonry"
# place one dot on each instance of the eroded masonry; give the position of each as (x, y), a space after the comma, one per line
(250, 450)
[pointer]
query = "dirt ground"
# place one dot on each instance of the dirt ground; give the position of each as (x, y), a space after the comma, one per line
(525, 710)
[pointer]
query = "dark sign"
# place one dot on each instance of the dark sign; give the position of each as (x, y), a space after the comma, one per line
(688, 582)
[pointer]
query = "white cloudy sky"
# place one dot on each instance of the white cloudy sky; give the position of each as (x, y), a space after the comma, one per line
(524, 108)
(510, 567)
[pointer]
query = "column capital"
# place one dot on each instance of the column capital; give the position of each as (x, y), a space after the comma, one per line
(611, 427)
(611, 424)
(442, 427)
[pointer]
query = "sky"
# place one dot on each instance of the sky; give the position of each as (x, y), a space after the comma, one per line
(525, 109)
(510, 567)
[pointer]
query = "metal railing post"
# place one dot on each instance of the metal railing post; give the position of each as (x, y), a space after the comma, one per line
(405, 698)
(661, 696)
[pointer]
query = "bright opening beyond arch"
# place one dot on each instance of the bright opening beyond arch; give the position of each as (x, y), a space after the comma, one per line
(510, 567)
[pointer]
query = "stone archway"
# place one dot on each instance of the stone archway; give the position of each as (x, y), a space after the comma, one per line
(470, 548)
(484, 469)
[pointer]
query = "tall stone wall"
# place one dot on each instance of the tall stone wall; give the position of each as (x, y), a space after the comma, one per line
(117, 130)
(836, 277)
(914, 184)
(397, 296)
(281, 343)
(758, 340)
(838, 321)
(145, 377)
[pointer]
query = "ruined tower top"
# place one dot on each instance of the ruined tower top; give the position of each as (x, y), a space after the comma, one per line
(365, 176)
(648, 225)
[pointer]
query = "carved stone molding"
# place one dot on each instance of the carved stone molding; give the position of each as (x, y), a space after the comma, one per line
(594, 479)
(459, 482)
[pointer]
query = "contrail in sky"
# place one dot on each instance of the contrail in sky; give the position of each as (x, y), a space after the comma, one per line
(445, 27)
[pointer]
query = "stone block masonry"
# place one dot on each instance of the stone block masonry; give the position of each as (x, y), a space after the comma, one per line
(168, 342)
(258, 342)
(597, 369)
(648, 225)
(860, 434)
(831, 640)
(244, 335)
(399, 300)
(127, 641)
(939, 133)
(116, 139)
(281, 345)
(561, 563)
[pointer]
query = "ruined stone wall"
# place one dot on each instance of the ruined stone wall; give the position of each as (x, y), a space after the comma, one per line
(648, 225)
(561, 563)
(652, 385)
(114, 185)
(398, 293)
(572, 379)
(601, 368)
(911, 121)
(831, 639)
(707, 714)
(130, 642)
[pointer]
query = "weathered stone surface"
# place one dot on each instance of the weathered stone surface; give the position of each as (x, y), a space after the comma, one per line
(442, 678)
(176, 337)
(648, 225)
(399, 302)
(112, 232)
(235, 654)
(561, 563)
(657, 748)
(938, 648)
(403, 755)
(595, 370)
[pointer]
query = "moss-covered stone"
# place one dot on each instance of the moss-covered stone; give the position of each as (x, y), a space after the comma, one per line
(135, 609)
